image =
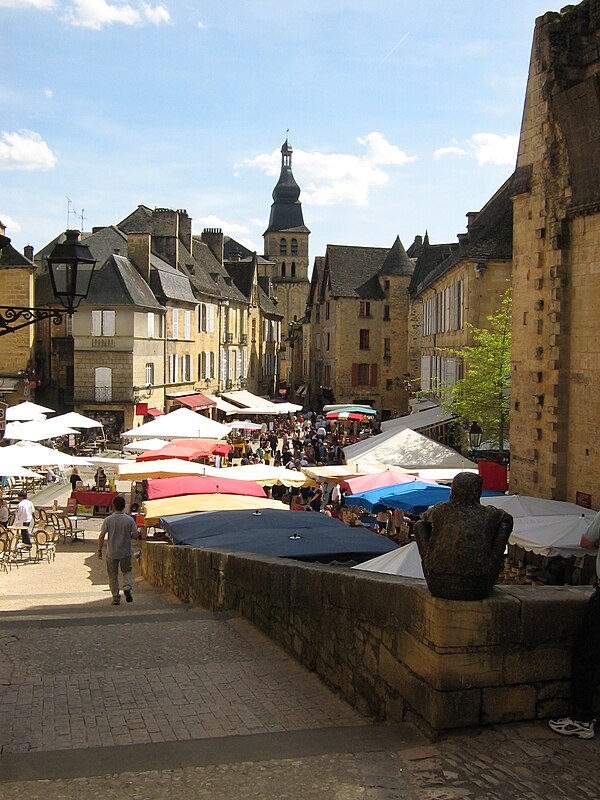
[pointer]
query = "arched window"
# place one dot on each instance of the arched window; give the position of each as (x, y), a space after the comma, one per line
(293, 269)
(283, 269)
(294, 250)
(103, 384)
(283, 247)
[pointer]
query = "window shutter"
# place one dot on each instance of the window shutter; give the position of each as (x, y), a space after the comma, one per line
(425, 373)
(175, 318)
(354, 374)
(96, 323)
(108, 323)
(191, 368)
(150, 325)
(373, 374)
(212, 365)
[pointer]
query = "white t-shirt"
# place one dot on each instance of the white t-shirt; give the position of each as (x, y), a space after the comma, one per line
(24, 513)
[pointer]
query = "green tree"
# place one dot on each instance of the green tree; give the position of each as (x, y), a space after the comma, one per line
(483, 395)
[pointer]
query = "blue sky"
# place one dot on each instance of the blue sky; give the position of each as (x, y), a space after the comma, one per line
(403, 115)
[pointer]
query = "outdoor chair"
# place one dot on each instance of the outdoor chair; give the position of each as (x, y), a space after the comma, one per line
(17, 549)
(5, 552)
(45, 543)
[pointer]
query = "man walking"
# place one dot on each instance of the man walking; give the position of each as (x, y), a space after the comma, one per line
(119, 527)
(24, 518)
(585, 657)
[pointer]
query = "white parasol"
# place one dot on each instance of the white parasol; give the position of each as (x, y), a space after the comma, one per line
(33, 454)
(37, 430)
(27, 411)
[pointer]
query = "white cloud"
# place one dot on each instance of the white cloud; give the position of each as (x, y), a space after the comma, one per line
(339, 178)
(491, 148)
(25, 150)
(260, 223)
(200, 25)
(41, 5)
(447, 151)
(48, 93)
(95, 14)
(212, 221)
(156, 15)
(12, 226)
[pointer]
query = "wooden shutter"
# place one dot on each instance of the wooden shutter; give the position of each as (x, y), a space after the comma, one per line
(354, 374)
(373, 374)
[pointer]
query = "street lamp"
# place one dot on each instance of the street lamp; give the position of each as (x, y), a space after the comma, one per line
(71, 266)
(475, 437)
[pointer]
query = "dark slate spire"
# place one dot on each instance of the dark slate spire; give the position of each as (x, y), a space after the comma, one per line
(286, 210)
(397, 262)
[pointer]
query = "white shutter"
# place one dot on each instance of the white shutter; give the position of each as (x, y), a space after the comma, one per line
(175, 318)
(425, 373)
(238, 363)
(150, 325)
(187, 321)
(96, 323)
(191, 368)
(223, 365)
(244, 363)
(108, 323)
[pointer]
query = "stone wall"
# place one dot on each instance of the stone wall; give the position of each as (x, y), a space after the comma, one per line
(393, 650)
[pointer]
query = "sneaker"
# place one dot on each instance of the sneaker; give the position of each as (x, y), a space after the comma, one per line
(567, 726)
(128, 596)
(116, 600)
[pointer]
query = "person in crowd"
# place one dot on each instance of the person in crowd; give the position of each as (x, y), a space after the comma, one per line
(119, 528)
(317, 498)
(585, 656)
(24, 517)
(101, 479)
(74, 478)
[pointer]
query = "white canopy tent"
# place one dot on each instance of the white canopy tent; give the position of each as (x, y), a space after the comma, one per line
(32, 454)
(37, 430)
(180, 424)
(406, 448)
(75, 420)
(244, 399)
(9, 469)
(27, 411)
(404, 562)
(223, 405)
(266, 475)
(145, 445)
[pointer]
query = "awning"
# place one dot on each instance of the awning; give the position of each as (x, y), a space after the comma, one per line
(223, 405)
(195, 401)
(301, 390)
(155, 412)
(9, 385)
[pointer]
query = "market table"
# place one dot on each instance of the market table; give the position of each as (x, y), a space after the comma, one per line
(94, 499)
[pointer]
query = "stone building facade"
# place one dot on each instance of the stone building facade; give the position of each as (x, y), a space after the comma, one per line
(556, 280)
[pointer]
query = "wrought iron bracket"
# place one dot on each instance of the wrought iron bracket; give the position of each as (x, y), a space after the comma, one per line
(13, 318)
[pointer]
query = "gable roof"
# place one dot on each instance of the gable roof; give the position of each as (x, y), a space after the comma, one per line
(11, 258)
(430, 257)
(352, 271)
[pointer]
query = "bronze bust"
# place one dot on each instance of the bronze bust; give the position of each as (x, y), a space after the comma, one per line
(462, 543)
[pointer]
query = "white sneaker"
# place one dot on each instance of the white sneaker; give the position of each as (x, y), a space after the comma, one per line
(567, 726)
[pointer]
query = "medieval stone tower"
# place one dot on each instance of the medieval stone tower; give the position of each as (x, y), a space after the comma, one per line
(286, 244)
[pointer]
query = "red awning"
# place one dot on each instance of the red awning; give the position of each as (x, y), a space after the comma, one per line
(203, 484)
(187, 449)
(154, 412)
(195, 401)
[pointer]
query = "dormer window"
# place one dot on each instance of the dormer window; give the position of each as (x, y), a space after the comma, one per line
(283, 247)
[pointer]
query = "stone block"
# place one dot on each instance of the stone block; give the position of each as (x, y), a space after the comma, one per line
(453, 624)
(540, 664)
(507, 704)
(548, 613)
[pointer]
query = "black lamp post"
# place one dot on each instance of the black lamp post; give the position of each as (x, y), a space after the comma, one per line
(475, 437)
(71, 266)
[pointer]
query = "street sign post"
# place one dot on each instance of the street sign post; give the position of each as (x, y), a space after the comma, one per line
(2, 418)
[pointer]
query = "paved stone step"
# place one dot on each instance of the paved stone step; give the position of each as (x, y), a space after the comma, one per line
(49, 765)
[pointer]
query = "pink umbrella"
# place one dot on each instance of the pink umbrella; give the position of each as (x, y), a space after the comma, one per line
(160, 488)
(363, 483)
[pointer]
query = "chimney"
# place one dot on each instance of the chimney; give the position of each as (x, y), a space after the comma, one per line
(28, 252)
(185, 229)
(138, 252)
(418, 241)
(165, 234)
(471, 217)
(213, 238)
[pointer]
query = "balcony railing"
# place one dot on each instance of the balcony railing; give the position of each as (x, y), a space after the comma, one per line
(228, 338)
(243, 338)
(228, 384)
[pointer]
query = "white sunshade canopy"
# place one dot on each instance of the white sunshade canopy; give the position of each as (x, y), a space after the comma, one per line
(406, 448)
(245, 399)
(145, 445)
(180, 424)
(223, 405)
(37, 430)
(75, 420)
(164, 468)
(405, 562)
(11, 470)
(27, 411)
(266, 475)
(244, 425)
(32, 454)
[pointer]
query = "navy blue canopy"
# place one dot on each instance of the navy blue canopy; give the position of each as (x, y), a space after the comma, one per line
(304, 536)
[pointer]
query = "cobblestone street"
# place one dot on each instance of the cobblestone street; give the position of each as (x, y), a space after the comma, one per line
(160, 700)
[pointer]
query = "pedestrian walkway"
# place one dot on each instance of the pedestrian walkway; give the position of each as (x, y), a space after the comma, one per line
(158, 699)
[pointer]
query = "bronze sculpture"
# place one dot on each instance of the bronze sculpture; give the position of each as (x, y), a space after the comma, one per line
(462, 543)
